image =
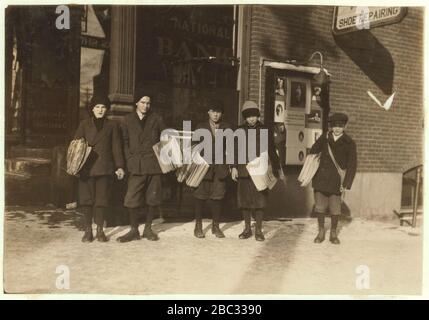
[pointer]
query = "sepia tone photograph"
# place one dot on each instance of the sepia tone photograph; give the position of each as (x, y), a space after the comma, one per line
(131, 131)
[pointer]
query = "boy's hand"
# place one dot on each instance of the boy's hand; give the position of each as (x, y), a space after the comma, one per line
(120, 173)
(281, 175)
(234, 174)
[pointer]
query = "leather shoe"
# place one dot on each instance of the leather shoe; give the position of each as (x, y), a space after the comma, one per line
(150, 235)
(334, 238)
(198, 231)
(87, 236)
(217, 232)
(101, 237)
(246, 234)
(320, 237)
(259, 235)
(133, 234)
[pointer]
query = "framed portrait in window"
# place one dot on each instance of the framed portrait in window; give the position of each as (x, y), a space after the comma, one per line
(299, 94)
(279, 111)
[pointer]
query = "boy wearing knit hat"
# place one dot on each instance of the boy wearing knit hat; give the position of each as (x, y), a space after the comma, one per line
(335, 174)
(105, 160)
(250, 200)
(213, 187)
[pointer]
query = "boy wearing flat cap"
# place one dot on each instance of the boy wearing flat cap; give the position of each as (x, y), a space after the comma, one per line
(213, 187)
(335, 174)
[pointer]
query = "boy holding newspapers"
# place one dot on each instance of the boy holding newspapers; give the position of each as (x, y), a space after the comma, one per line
(335, 174)
(253, 183)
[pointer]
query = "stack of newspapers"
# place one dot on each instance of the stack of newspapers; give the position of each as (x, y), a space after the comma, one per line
(261, 172)
(77, 154)
(169, 154)
(193, 173)
(309, 169)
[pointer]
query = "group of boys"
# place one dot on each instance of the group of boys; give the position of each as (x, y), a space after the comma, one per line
(142, 129)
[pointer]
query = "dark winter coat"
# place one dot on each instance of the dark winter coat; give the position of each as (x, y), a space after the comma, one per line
(274, 160)
(327, 178)
(106, 155)
(218, 171)
(138, 142)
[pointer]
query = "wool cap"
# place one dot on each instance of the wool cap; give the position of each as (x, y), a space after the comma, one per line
(99, 99)
(215, 105)
(250, 108)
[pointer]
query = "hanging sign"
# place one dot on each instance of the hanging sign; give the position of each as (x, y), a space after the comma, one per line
(350, 19)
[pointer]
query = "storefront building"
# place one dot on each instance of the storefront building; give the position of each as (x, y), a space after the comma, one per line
(185, 55)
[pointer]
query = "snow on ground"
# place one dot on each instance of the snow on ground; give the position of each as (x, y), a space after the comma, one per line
(288, 262)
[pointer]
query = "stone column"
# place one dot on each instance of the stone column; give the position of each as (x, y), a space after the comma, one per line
(122, 59)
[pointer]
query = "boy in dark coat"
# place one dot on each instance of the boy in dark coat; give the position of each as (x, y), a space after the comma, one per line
(105, 160)
(327, 184)
(213, 187)
(141, 130)
(250, 200)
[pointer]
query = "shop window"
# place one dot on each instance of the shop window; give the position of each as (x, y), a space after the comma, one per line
(94, 56)
(184, 57)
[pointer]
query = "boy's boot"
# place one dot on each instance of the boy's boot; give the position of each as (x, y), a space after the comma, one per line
(99, 220)
(87, 218)
(148, 232)
(133, 234)
(259, 235)
(198, 231)
(321, 223)
(215, 208)
(333, 236)
(247, 232)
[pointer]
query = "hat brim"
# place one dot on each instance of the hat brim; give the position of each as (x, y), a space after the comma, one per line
(251, 113)
(337, 123)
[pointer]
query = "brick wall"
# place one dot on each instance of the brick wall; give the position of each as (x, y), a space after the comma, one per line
(382, 60)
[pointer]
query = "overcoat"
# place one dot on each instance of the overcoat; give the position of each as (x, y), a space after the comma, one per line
(216, 171)
(139, 140)
(327, 178)
(247, 194)
(274, 160)
(106, 155)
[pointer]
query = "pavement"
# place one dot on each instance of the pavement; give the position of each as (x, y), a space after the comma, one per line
(43, 253)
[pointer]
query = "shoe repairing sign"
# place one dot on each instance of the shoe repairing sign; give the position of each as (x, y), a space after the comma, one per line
(350, 19)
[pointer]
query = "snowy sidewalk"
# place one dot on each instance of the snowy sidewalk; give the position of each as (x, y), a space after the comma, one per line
(288, 262)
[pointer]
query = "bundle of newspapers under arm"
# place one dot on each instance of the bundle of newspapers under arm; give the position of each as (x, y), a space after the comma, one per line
(261, 172)
(309, 169)
(169, 154)
(193, 173)
(190, 166)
